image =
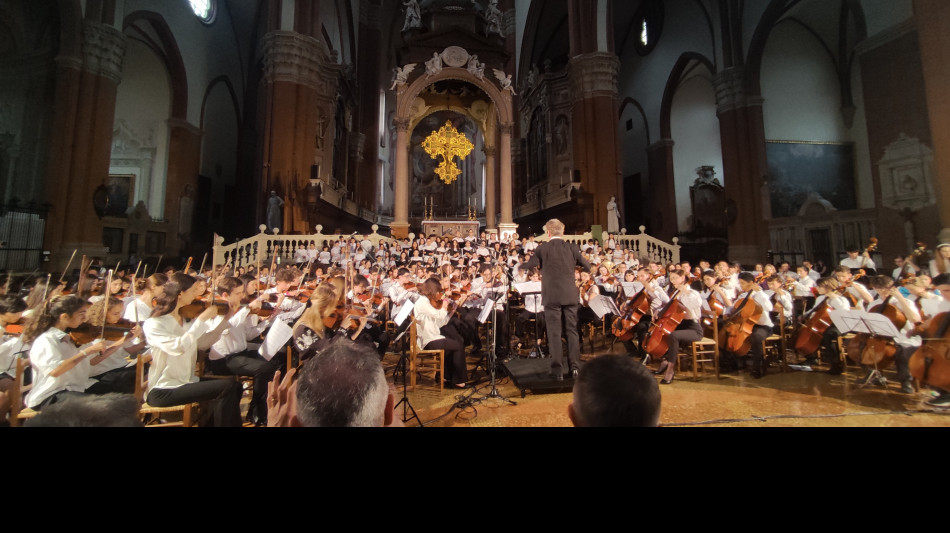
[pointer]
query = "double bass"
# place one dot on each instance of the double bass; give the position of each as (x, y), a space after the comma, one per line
(657, 342)
(734, 335)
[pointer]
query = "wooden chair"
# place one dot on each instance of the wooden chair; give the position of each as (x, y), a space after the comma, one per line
(776, 345)
(16, 392)
(424, 360)
(188, 411)
(705, 350)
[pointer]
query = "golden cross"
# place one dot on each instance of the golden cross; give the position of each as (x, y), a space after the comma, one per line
(448, 143)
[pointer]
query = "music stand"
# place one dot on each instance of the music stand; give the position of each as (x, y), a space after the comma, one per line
(532, 288)
(856, 321)
(399, 317)
(493, 297)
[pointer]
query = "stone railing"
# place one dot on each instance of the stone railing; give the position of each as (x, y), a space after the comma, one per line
(645, 247)
(262, 247)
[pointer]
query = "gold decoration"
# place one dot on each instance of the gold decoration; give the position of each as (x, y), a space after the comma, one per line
(448, 143)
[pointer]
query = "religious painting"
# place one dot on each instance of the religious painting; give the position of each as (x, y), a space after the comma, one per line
(118, 194)
(798, 168)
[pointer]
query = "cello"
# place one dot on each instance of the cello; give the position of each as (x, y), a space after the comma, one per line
(875, 350)
(657, 342)
(737, 328)
(931, 362)
(634, 310)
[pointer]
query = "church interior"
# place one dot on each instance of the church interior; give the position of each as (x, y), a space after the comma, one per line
(752, 132)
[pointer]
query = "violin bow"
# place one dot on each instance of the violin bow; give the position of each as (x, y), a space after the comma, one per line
(105, 308)
(137, 267)
(61, 278)
(202, 267)
(159, 262)
(187, 265)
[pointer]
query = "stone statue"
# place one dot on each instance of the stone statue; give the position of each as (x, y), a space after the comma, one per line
(413, 15)
(493, 18)
(274, 203)
(434, 65)
(504, 81)
(707, 176)
(477, 69)
(613, 216)
(401, 75)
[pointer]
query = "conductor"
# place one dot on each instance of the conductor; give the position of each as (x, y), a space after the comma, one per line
(557, 259)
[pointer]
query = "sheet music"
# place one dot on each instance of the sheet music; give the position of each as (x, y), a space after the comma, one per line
(628, 288)
(602, 305)
(486, 310)
(400, 316)
(527, 287)
(275, 340)
(857, 321)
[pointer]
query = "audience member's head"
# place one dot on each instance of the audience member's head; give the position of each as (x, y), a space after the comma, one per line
(344, 386)
(615, 391)
(106, 410)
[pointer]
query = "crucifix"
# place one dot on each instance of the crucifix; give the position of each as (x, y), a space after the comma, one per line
(448, 143)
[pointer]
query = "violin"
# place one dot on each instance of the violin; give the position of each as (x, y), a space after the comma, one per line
(15, 328)
(88, 333)
(195, 308)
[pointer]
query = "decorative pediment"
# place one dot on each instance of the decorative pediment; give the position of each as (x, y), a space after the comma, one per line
(906, 174)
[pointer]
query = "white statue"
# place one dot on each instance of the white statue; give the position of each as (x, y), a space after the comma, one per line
(493, 18)
(401, 75)
(274, 203)
(477, 69)
(504, 80)
(613, 216)
(434, 65)
(413, 15)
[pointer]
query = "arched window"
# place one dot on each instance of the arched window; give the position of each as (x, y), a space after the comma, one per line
(205, 10)
(649, 25)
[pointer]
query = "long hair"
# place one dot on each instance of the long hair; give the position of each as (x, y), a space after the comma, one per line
(168, 300)
(96, 315)
(322, 304)
(50, 314)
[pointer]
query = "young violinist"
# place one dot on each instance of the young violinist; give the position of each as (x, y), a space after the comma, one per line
(429, 321)
(688, 330)
(320, 323)
(492, 285)
(940, 264)
(587, 290)
(853, 290)
(11, 347)
(60, 368)
(233, 353)
(146, 290)
(174, 347)
(751, 294)
(361, 295)
(533, 309)
(115, 373)
(828, 290)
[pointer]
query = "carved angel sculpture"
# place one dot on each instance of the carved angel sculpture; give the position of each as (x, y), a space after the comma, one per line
(401, 75)
(504, 80)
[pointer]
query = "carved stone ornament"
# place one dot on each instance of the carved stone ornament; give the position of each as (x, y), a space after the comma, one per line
(906, 175)
(103, 50)
(296, 58)
(455, 56)
(594, 75)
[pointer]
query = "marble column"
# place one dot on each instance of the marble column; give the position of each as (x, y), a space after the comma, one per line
(298, 95)
(594, 127)
(506, 226)
(745, 167)
(81, 141)
(400, 224)
(490, 153)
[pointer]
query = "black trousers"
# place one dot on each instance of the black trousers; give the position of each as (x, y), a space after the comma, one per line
(250, 363)
(687, 332)
(562, 319)
(224, 395)
(455, 369)
(120, 380)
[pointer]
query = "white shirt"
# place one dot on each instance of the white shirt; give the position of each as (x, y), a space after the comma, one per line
(174, 350)
(658, 297)
(324, 257)
(758, 297)
(803, 286)
(903, 339)
(692, 301)
(11, 348)
(428, 321)
(242, 327)
(785, 300)
(49, 350)
(118, 359)
(859, 262)
(143, 310)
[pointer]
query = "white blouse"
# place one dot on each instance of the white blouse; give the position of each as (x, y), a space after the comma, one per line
(428, 321)
(49, 350)
(174, 351)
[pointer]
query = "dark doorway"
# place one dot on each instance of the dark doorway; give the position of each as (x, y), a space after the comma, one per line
(632, 204)
(821, 246)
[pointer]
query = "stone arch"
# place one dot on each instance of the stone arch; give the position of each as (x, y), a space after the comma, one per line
(502, 101)
(167, 49)
(672, 83)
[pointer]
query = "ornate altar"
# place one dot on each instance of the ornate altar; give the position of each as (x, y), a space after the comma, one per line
(455, 227)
